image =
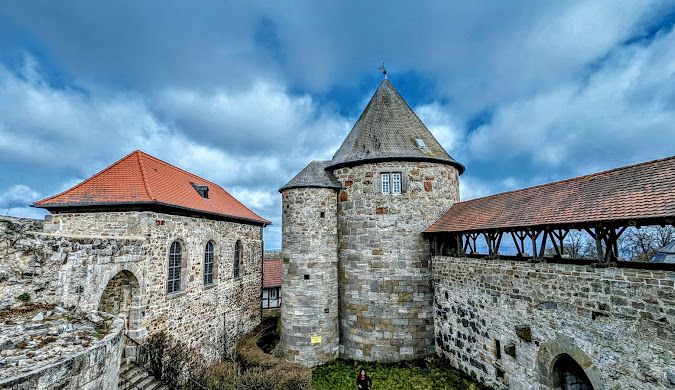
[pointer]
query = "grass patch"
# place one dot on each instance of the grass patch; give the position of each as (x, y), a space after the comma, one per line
(432, 373)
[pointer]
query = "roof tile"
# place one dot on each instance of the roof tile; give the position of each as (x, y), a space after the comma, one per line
(139, 178)
(638, 191)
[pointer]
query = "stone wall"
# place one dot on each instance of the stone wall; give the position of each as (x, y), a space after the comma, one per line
(95, 368)
(507, 322)
(71, 271)
(384, 273)
(309, 276)
(67, 267)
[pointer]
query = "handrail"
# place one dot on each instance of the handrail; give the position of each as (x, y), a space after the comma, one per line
(141, 361)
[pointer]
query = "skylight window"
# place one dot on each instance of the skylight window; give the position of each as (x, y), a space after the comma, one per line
(202, 190)
(420, 143)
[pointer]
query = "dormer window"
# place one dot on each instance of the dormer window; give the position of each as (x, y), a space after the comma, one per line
(203, 190)
(420, 144)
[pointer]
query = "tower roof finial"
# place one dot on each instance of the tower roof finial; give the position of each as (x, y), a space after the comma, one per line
(383, 70)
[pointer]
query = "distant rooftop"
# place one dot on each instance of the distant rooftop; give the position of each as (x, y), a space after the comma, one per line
(272, 272)
(142, 181)
(665, 254)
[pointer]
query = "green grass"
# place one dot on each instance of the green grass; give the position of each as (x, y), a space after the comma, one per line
(423, 374)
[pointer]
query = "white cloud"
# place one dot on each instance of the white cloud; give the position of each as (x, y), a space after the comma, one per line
(443, 125)
(252, 140)
(623, 112)
(15, 201)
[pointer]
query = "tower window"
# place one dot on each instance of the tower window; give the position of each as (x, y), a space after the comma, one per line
(392, 183)
(322, 214)
(396, 183)
(385, 183)
(306, 277)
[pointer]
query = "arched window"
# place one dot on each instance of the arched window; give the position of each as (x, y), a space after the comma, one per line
(209, 271)
(238, 255)
(175, 258)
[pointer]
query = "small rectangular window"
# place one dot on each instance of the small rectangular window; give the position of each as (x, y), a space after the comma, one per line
(385, 183)
(322, 214)
(396, 183)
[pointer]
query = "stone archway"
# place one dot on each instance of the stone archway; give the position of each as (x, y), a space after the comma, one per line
(122, 297)
(562, 365)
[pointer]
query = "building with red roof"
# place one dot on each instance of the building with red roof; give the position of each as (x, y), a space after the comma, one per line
(195, 267)
(271, 286)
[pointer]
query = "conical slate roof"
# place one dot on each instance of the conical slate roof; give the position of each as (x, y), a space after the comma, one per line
(313, 175)
(388, 129)
(665, 254)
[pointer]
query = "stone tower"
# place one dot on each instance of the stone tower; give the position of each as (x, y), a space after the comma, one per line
(309, 313)
(394, 180)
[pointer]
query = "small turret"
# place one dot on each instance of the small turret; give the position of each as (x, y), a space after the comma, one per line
(309, 310)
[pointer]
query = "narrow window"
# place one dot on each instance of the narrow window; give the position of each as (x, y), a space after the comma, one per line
(208, 264)
(396, 183)
(322, 214)
(385, 183)
(237, 258)
(498, 349)
(175, 254)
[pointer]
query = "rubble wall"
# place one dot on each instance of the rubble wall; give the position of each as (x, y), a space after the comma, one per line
(506, 322)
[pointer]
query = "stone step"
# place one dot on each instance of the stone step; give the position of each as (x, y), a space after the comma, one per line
(134, 377)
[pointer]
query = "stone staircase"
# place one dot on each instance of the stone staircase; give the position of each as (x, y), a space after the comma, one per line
(134, 377)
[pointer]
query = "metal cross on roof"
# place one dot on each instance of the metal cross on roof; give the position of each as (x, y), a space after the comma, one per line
(383, 70)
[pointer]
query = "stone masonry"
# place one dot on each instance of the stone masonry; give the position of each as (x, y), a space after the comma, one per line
(508, 322)
(309, 274)
(385, 285)
(61, 264)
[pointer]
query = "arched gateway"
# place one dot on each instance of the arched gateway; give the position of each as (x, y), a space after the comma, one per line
(122, 297)
(562, 365)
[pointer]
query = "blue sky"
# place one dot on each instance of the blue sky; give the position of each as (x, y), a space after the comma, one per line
(246, 93)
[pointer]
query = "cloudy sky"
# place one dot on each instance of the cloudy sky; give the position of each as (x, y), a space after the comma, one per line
(247, 93)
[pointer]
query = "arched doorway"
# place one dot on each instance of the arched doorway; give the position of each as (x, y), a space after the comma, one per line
(122, 297)
(568, 374)
(561, 365)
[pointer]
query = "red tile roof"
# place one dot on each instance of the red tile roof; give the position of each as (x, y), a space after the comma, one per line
(141, 179)
(635, 192)
(272, 272)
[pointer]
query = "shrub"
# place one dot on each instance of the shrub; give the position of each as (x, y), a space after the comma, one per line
(268, 372)
(25, 297)
(221, 376)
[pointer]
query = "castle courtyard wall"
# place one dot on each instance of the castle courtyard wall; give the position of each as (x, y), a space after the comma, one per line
(60, 264)
(385, 286)
(618, 324)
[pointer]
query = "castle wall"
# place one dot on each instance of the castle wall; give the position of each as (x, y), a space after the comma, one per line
(309, 275)
(66, 267)
(616, 323)
(384, 273)
(97, 367)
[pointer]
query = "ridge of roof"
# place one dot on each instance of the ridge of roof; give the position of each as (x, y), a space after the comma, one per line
(85, 181)
(145, 179)
(576, 178)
